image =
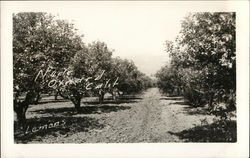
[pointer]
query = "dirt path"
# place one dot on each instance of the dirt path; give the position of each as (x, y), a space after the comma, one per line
(151, 118)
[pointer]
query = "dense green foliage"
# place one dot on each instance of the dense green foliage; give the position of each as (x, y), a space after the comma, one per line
(131, 80)
(203, 61)
(39, 42)
(49, 56)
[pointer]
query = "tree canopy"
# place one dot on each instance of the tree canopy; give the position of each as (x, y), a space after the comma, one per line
(203, 59)
(49, 55)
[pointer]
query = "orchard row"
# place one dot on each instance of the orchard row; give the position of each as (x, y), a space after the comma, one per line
(47, 52)
(203, 62)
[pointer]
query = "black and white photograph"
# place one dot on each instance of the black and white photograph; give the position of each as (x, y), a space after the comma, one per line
(126, 72)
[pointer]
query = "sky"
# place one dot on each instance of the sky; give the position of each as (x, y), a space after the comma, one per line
(133, 31)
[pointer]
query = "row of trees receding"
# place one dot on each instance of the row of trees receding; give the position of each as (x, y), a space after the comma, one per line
(50, 57)
(203, 61)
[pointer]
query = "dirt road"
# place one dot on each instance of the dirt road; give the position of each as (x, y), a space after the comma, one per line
(149, 117)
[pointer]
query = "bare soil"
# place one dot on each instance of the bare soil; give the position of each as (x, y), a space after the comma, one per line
(148, 117)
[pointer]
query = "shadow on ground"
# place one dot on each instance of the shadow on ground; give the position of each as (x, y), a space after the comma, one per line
(196, 111)
(52, 101)
(191, 110)
(53, 127)
(108, 100)
(180, 103)
(130, 98)
(219, 131)
(69, 111)
(120, 101)
(171, 98)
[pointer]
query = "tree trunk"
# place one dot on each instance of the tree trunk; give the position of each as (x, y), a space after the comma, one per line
(20, 107)
(38, 96)
(211, 99)
(178, 91)
(21, 113)
(114, 95)
(56, 95)
(101, 97)
(77, 104)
